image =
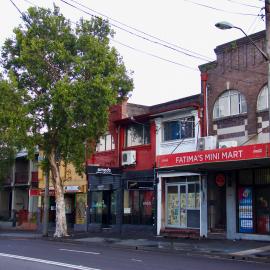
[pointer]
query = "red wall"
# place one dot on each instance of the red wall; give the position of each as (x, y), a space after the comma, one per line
(145, 154)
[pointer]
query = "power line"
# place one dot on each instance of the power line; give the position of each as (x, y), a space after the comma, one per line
(137, 35)
(253, 23)
(135, 49)
(242, 4)
(219, 9)
(16, 7)
(140, 31)
(153, 55)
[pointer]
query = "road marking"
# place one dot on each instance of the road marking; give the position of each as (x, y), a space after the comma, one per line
(80, 251)
(251, 251)
(79, 267)
(136, 260)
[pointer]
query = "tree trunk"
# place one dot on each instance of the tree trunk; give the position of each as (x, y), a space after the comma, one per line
(60, 222)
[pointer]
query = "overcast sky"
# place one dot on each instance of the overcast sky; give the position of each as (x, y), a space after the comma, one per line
(160, 73)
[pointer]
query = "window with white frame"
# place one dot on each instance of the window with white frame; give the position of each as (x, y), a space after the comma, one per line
(181, 128)
(106, 143)
(231, 102)
(137, 134)
(262, 101)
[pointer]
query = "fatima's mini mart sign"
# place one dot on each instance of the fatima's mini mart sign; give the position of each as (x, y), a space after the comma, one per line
(254, 151)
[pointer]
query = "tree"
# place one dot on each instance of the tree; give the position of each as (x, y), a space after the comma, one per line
(10, 112)
(65, 79)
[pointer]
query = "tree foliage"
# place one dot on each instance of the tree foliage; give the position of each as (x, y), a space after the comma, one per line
(64, 79)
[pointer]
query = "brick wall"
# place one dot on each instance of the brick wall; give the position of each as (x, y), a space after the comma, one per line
(239, 66)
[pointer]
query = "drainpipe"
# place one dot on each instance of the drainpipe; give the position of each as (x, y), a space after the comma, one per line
(204, 78)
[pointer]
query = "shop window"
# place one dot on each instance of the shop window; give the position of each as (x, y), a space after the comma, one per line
(262, 177)
(193, 196)
(231, 102)
(106, 143)
(137, 134)
(138, 207)
(179, 129)
(183, 204)
(262, 101)
(254, 201)
(263, 210)
(103, 207)
(96, 207)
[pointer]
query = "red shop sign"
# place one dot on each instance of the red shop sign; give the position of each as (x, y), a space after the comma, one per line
(220, 180)
(246, 152)
(34, 192)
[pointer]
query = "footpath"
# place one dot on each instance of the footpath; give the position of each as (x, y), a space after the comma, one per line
(218, 248)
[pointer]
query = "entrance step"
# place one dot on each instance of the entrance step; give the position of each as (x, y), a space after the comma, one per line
(180, 233)
(217, 235)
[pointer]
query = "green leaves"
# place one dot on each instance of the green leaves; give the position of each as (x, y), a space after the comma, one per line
(61, 83)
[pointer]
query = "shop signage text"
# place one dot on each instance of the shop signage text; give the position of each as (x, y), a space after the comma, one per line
(72, 189)
(217, 155)
(102, 170)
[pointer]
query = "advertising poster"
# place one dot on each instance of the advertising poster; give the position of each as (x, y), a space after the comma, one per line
(173, 209)
(245, 210)
(81, 202)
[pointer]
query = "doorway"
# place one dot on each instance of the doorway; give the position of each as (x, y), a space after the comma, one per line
(103, 207)
(217, 216)
(106, 208)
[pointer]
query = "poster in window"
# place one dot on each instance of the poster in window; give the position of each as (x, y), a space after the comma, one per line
(81, 201)
(245, 210)
(173, 210)
(191, 200)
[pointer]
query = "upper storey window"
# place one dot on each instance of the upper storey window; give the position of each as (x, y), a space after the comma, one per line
(262, 101)
(106, 143)
(231, 102)
(137, 134)
(179, 129)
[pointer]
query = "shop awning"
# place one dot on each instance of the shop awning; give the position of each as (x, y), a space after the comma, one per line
(247, 156)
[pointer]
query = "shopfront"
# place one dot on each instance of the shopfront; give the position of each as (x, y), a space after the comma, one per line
(182, 196)
(181, 202)
(253, 201)
(230, 194)
(75, 206)
(105, 198)
(138, 201)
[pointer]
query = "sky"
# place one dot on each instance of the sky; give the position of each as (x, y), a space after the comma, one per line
(174, 37)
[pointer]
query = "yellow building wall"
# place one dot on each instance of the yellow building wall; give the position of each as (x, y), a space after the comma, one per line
(68, 175)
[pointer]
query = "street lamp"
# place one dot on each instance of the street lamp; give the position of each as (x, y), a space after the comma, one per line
(227, 25)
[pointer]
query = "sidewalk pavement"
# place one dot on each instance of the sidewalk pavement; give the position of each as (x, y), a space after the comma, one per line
(219, 248)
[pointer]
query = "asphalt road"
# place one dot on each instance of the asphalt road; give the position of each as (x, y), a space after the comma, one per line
(29, 254)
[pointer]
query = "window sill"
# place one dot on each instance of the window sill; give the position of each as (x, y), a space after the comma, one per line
(241, 115)
(262, 111)
(104, 152)
(143, 146)
(184, 141)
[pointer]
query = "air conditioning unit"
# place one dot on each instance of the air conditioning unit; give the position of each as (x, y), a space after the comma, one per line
(128, 157)
(207, 143)
(227, 144)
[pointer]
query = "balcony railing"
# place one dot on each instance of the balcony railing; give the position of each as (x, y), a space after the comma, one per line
(21, 178)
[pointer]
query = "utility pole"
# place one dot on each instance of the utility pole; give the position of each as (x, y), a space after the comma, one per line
(267, 48)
